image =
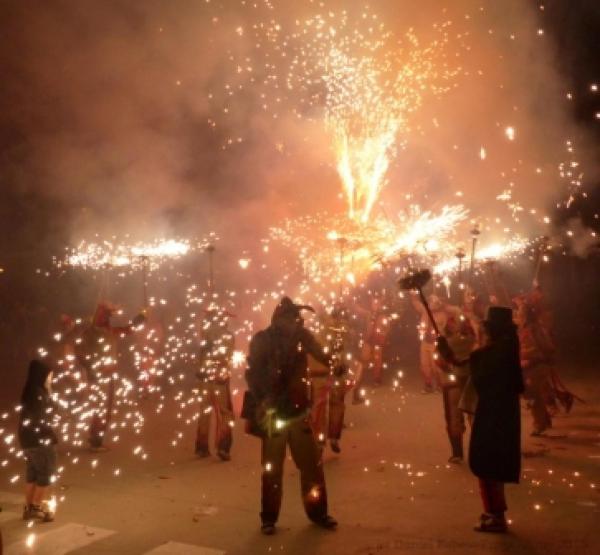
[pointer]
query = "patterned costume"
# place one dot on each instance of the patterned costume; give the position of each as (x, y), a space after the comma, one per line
(375, 338)
(97, 353)
(537, 354)
(430, 370)
(328, 390)
(461, 339)
(214, 373)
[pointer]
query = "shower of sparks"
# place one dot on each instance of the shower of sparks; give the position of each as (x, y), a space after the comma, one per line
(108, 254)
(332, 248)
(367, 83)
(366, 86)
(369, 99)
(373, 90)
(505, 251)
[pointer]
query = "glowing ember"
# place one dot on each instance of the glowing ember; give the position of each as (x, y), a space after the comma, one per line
(369, 98)
(354, 249)
(107, 254)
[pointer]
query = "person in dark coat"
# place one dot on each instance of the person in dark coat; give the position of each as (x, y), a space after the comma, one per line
(495, 448)
(278, 381)
(38, 440)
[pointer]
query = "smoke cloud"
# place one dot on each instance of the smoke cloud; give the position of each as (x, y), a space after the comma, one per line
(113, 111)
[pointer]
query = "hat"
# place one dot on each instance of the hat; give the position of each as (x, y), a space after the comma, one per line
(287, 307)
(499, 317)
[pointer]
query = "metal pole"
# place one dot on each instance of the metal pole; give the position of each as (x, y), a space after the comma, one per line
(342, 241)
(145, 280)
(428, 310)
(211, 271)
(460, 255)
(474, 234)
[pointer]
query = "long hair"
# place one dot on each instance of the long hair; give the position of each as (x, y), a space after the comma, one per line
(35, 385)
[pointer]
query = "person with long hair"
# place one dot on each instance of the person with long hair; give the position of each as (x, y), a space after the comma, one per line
(495, 447)
(38, 441)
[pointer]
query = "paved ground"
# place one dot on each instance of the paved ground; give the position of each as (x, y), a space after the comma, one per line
(391, 490)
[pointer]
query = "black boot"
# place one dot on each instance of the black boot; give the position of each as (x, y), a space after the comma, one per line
(326, 521)
(456, 443)
(268, 528)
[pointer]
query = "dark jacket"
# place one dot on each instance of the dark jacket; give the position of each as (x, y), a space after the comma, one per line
(495, 448)
(277, 372)
(36, 409)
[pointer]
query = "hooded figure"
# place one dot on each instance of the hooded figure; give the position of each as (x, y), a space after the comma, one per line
(278, 381)
(278, 361)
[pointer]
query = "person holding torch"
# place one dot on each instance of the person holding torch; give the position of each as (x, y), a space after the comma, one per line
(495, 447)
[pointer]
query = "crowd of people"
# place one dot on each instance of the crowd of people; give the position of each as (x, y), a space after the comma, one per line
(481, 359)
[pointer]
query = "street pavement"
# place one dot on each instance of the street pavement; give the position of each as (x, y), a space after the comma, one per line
(391, 490)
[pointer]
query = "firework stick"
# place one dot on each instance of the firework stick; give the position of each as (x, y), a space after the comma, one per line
(416, 282)
(211, 270)
(474, 233)
(429, 313)
(145, 281)
(460, 256)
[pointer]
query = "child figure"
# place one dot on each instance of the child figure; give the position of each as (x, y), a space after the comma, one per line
(38, 441)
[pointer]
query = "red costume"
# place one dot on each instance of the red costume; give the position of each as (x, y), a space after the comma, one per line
(97, 353)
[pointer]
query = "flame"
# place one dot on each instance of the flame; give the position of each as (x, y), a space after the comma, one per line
(369, 98)
(104, 254)
(354, 249)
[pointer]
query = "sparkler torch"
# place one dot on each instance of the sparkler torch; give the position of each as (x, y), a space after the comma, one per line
(416, 282)
(474, 234)
(210, 249)
(144, 260)
(460, 255)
